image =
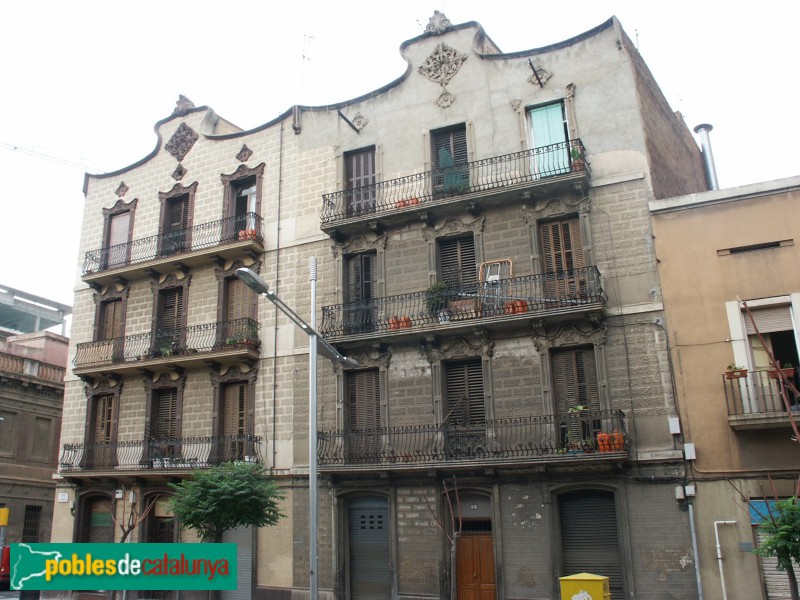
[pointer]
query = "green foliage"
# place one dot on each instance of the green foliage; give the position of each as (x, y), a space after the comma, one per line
(224, 497)
(782, 527)
(436, 296)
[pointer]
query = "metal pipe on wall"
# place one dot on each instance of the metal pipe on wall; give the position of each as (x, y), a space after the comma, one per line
(719, 555)
(708, 157)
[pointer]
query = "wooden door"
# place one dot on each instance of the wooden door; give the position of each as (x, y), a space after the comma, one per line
(475, 567)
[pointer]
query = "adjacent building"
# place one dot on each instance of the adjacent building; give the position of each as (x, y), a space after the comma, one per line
(485, 254)
(728, 265)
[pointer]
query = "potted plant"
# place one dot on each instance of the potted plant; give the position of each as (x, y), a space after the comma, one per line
(436, 297)
(735, 371)
(578, 159)
(786, 369)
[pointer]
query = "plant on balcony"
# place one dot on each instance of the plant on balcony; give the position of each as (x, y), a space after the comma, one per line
(787, 370)
(734, 371)
(578, 159)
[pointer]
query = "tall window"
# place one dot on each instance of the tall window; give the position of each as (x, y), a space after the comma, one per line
(102, 432)
(360, 181)
(563, 259)
(169, 321)
(117, 247)
(244, 200)
(360, 278)
(174, 230)
(111, 319)
(576, 394)
(363, 412)
(236, 420)
(549, 137)
(450, 169)
(464, 392)
(31, 523)
(457, 265)
(164, 424)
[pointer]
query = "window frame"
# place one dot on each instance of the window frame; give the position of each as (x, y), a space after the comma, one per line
(166, 199)
(242, 178)
(366, 203)
(119, 208)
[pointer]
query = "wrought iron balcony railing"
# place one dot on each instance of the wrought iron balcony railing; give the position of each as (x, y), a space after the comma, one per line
(163, 342)
(583, 435)
(533, 294)
(478, 176)
(759, 393)
(159, 453)
(199, 237)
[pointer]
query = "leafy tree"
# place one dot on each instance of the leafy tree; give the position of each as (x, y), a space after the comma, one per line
(224, 497)
(782, 527)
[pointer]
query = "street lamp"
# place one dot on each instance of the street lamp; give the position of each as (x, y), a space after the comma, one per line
(315, 344)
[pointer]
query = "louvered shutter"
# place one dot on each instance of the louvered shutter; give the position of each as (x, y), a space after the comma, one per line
(110, 320)
(238, 299)
(360, 181)
(562, 247)
(361, 277)
(171, 318)
(589, 537)
(99, 516)
(103, 419)
(575, 379)
(364, 400)
(235, 417)
(457, 261)
(166, 414)
(178, 214)
(464, 392)
(453, 144)
(368, 525)
(118, 234)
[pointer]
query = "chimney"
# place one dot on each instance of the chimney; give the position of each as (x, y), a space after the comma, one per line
(708, 156)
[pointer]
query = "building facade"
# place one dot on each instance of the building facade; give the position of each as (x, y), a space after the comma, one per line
(32, 368)
(485, 254)
(731, 301)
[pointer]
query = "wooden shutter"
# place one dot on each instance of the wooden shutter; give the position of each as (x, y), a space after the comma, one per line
(119, 228)
(165, 414)
(464, 392)
(103, 427)
(368, 525)
(360, 181)
(575, 380)
(589, 537)
(363, 391)
(562, 247)
(457, 264)
(111, 319)
(451, 143)
(171, 313)
(361, 276)
(99, 527)
(235, 418)
(238, 299)
(177, 214)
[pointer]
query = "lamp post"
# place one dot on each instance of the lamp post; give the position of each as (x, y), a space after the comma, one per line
(316, 344)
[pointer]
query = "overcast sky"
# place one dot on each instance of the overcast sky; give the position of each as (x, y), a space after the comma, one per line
(83, 84)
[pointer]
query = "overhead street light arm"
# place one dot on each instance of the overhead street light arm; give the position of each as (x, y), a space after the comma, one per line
(254, 281)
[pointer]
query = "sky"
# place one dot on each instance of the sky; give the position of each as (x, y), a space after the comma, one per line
(84, 82)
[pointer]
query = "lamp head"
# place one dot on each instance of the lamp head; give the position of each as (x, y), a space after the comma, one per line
(252, 280)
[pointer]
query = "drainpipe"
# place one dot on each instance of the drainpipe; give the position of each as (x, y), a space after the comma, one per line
(708, 157)
(696, 553)
(719, 555)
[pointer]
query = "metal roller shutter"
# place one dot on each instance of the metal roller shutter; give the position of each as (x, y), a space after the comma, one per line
(369, 548)
(243, 538)
(589, 537)
(775, 318)
(776, 582)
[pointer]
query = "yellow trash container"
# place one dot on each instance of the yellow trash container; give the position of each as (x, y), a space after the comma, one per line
(585, 586)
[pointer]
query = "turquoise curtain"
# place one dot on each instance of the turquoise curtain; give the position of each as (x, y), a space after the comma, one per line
(549, 136)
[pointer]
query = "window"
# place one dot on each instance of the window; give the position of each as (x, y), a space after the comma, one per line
(169, 321)
(238, 305)
(42, 440)
(457, 265)
(8, 440)
(164, 415)
(359, 285)
(236, 421)
(563, 259)
(244, 199)
(117, 240)
(102, 433)
(576, 394)
(111, 319)
(549, 139)
(464, 408)
(30, 524)
(360, 181)
(242, 204)
(450, 168)
(363, 412)
(174, 229)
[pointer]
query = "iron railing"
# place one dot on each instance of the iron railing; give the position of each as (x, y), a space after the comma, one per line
(199, 237)
(163, 342)
(503, 440)
(477, 176)
(160, 453)
(531, 294)
(759, 393)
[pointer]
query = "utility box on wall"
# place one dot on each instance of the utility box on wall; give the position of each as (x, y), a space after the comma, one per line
(585, 586)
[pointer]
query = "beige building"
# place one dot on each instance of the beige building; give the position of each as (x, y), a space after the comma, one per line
(728, 266)
(485, 253)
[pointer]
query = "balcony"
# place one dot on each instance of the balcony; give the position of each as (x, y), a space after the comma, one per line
(506, 301)
(226, 238)
(187, 346)
(591, 436)
(552, 167)
(754, 401)
(158, 455)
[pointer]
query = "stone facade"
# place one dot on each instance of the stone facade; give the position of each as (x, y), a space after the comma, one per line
(504, 482)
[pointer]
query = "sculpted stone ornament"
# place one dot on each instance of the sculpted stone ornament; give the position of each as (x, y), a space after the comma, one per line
(442, 64)
(122, 189)
(181, 142)
(544, 76)
(182, 105)
(438, 23)
(360, 121)
(244, 154)
(179, 172)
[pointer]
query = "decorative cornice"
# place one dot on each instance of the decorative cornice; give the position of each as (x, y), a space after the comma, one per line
(553, 207)
(178, 190)
(164, 380)
(222, 274)
(241, 172)
(452, 225)
(234, 373)
(459, 348)
(567, 335)
(170, 281)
